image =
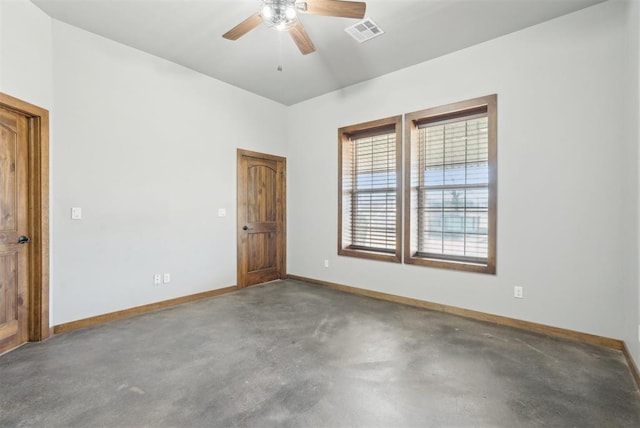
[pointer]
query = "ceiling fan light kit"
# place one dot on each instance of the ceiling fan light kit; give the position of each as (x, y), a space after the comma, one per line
(282, 15)
(279, 14)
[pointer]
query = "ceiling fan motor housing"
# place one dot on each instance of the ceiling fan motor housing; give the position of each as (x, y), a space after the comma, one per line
(280, 14)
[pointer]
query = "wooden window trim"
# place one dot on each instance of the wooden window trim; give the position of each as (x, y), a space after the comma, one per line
(449, 111)
(360, 130)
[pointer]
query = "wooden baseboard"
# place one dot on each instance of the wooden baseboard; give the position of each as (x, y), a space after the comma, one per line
(476, 315)
(87, 322)
(632, 364)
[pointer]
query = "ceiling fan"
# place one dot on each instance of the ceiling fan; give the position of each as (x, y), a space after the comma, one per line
(283, 16)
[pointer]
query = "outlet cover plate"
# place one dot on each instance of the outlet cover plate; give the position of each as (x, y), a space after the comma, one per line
(76, 213)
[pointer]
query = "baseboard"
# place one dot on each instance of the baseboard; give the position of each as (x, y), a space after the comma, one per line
(632, 364)
(476, 315)
(87, 322)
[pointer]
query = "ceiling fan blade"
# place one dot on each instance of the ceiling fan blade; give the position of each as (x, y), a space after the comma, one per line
(302, 39)
(244, 27)
(344, 9)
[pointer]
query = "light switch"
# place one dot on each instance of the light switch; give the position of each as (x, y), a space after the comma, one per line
(76, 213)
(222, 212)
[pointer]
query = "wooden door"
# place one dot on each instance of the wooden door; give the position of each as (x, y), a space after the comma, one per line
(261, 218)
(14, 227)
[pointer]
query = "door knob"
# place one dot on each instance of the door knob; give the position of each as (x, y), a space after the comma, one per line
(23, 239)
(245, 227)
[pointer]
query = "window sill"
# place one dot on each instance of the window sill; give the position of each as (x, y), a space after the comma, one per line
(489, 268)
(371, 255)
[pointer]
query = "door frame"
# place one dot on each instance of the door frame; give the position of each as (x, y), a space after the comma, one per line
(241, 283)
(38, 218)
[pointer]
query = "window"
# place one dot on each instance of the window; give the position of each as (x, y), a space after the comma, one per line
(450, 195)
(370, 162)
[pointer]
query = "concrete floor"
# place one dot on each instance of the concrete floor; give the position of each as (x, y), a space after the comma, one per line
(293, 354)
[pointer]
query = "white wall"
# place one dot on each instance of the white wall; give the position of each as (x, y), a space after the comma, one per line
(25, 52)
(147, 149)
(630, 186)
(560, 86)
(635, 76)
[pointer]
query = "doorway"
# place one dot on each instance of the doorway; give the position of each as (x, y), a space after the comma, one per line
(261, 225)
(24, 223)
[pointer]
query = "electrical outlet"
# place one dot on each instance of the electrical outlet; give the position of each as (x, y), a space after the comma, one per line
(166, 278)
(76, 213)
(326, 263)
(518, 292)
(157, 279)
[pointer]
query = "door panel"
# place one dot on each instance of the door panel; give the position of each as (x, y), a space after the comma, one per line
(263, 251)
(8, 154)
(261, 191)
(8, 291)
(261, 218)
(13, 224)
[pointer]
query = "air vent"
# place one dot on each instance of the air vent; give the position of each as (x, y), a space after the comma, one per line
(364, 30)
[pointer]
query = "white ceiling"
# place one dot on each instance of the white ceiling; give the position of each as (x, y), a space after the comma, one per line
(189, 32)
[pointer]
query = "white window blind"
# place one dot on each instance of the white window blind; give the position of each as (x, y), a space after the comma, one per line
(370, 187)
(453, 192)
